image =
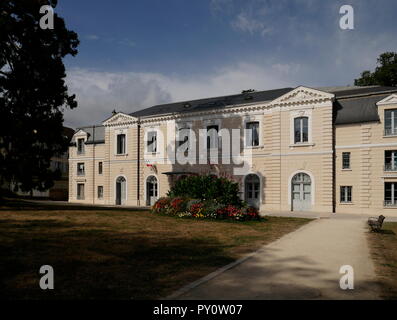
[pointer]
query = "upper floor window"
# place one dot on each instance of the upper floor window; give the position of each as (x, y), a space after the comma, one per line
(212, 136)
(346, 160)
(183, 137)
(391, 194)
(252, 138)
(80, 169)
(391, 160)
(391, 122)
(346, 194)
(80, 146)
(121, 143)
(100, 167)
(152, 141)
(301, 130)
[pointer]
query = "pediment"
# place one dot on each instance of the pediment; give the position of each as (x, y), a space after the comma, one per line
(303, 95)
(392, 99)
(119, 119)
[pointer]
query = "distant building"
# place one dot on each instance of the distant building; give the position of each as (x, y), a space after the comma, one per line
(60, 190)
(322, 150)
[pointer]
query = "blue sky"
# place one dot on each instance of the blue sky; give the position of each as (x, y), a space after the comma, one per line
(134, 54)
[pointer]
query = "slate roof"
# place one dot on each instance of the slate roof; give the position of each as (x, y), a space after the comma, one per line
(212, 103)
(94, 132)
(359, 105)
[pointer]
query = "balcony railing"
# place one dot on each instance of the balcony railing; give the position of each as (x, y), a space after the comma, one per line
(391, 132)
(390, 167)
(391, 203)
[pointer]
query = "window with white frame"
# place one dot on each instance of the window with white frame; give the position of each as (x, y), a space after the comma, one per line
(346, 194)
(391, 160)
(212, 136)
(80, 169)
(151, 145)
(391, 194)
(301, 130)
(252, 134)
(80, 191)
(391, 122)
(346, 160)
(80, 146)
(121, 143)
(183, 137)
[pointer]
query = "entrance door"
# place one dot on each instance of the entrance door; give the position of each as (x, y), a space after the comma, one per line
(151, 190)
(120, 191)
(301, 192)
(252, 190)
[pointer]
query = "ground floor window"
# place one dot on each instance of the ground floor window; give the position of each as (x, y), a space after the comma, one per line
(100, 192)
(391, 194)
(80, 191)
(151, 190)
(252, 190)
(346, 194)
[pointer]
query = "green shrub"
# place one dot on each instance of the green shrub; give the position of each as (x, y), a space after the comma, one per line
(207, 187)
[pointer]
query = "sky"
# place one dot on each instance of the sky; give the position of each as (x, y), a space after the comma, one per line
(136, 54)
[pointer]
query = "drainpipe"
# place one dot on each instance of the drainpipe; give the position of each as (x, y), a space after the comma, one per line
(138, 163)
(333, 157)
(93, 171)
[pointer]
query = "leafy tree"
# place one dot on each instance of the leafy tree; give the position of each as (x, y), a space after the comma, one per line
(207, 187)
(33, 93)
(385, 73)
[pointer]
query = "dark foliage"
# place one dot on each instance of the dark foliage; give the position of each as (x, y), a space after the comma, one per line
(207, 187)
(385, 73)
(33, 93)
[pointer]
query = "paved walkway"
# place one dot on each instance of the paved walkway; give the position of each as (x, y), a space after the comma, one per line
(302, 265)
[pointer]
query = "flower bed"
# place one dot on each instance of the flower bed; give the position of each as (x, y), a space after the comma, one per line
(199, 209)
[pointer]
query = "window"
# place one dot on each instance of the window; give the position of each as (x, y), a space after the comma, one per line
(391, 194)
(80, 169)
(301, 130)
(346, 194)
(80, 146)
(212, 137)
(121, 143)
(183, 136)
(100, 192)
(100, 167)
(252, 139)
(80, 191)
(391, 160)
(346, 160)
(391, 122)
(152, 141)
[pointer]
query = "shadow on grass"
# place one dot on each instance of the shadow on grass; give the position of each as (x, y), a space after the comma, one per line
(391, 232)
(99, 264)
(25, 205)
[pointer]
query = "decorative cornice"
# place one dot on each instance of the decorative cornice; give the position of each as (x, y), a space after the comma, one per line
(120, 119)
(392, 99)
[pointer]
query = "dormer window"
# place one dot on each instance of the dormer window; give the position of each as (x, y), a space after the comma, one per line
(391, 122)
(80, 146)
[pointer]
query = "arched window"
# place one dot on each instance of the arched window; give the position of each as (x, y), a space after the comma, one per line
(301, 129)
(121, 190)
(301, 192)
(151, 190)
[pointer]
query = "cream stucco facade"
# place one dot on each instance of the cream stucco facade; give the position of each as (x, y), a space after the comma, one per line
(295, 163)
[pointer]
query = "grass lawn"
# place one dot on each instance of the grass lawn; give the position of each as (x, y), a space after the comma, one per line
(384, 252)
(106, 253)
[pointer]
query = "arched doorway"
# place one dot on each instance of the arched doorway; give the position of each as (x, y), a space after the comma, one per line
(120, 191)
(151, 190)
(301, 192)
(252, 190)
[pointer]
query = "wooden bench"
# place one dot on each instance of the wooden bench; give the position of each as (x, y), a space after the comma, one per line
(376, 223)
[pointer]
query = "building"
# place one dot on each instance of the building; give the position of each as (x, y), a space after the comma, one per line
(60, 162)
(322, 150)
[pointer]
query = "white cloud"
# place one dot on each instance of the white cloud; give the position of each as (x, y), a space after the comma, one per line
(98, 93)
(247, 23)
